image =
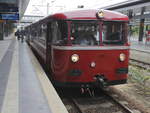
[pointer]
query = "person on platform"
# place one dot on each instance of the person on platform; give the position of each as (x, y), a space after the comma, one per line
(17, 34)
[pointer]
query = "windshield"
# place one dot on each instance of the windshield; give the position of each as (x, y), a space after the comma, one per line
(84, 34)
(114, 33)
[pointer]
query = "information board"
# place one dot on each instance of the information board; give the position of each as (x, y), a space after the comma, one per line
(9, 16)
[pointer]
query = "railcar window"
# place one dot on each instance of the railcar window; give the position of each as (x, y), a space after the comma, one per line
(114, 33)
(86, 33)
(42, 34)
(59, 33)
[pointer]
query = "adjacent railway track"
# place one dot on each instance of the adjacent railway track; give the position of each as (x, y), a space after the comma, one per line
(139, 64)
(139, 58)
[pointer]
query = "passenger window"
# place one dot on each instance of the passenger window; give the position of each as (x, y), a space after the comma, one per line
(113, 33)
(54, 32)
(42, 34)
(59, 33)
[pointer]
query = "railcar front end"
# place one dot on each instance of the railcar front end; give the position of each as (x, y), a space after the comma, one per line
(78, 66)
(95, 53)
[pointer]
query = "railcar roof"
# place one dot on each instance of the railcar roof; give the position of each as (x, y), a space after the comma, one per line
(90, 14)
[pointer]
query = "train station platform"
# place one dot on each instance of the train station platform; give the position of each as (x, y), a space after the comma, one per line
(141, 46)
(24, 86)
(140, 51)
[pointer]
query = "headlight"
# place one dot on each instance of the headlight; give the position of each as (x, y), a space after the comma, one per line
(93, 64)
(122, 57)
(74, 58)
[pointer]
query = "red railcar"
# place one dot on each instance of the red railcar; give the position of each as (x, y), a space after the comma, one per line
(83, 48)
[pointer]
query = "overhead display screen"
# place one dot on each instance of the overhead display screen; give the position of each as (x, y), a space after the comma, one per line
(9, 1)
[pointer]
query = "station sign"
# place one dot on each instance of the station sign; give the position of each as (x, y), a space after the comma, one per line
(8, 6)
(8, 9)
(11, 16)
(9, 1)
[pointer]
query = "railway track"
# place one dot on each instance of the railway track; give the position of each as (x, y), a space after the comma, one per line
(102, 102)
(139, 64)
(136, 61)
(112, 106)
(121, 105)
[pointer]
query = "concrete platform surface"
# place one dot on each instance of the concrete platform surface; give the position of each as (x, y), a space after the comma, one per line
(140, 52)
(24, 86)
(140, 46)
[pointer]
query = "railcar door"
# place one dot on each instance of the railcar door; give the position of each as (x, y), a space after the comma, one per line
(48, 47)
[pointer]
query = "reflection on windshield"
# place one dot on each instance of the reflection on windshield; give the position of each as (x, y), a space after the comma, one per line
(113, 33)
(85, 34)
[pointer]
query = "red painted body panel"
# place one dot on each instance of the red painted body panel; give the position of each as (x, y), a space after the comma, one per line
(90, 14)
(107, 61)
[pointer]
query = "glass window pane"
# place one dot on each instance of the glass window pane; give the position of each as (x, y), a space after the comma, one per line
(85, 33)
(60, 33)
(113, 33)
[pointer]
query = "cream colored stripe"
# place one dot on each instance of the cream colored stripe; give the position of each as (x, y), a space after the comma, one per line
(55, 103)
(11, 99)
(91, 47)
